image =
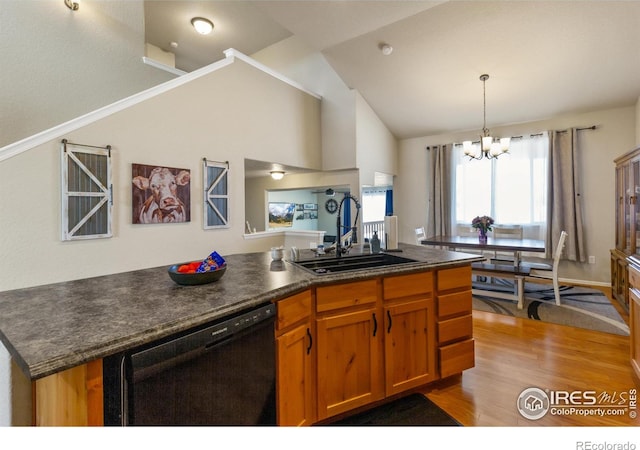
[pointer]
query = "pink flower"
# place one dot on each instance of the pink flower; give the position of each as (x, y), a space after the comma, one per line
(483, 223)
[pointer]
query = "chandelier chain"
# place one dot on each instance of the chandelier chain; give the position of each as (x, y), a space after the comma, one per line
(485, 130)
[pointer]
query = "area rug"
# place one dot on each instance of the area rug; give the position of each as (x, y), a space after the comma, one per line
(580, 307)
(413, 410)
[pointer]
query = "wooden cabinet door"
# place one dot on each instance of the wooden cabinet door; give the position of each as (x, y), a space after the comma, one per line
(294, 390)
(349, 360)
(410, 345)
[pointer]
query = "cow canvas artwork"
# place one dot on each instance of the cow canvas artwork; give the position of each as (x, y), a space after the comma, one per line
(160, 194)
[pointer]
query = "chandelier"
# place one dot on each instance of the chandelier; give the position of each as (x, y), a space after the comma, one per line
(489, 147)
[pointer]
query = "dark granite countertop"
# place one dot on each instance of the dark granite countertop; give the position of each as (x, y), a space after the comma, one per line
(54, 327)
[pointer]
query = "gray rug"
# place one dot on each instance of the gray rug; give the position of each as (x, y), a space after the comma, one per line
(580, 307)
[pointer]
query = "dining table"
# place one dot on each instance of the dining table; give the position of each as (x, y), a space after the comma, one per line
(511, 245)
(494, 269)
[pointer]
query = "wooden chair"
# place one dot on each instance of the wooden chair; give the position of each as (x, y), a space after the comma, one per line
(505, 231)
(549, 272)
(420, 235)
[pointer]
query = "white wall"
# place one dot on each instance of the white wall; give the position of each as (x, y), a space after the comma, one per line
(615, 135)
(376, 147)
(59, 64)
(307, 66)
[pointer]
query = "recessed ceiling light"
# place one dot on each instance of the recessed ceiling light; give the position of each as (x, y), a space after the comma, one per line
(202, 25)
(277, 174)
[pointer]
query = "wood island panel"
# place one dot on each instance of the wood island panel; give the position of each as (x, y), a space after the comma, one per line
(345, 295)
(455, 329)
(73, 397)
(293, 309)
(407, 285)
(455, 278)
(454, 304)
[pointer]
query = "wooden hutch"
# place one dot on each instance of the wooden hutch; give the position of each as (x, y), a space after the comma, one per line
(625, 258)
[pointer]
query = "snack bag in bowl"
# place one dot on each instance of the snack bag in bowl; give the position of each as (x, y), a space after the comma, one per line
(213, 262)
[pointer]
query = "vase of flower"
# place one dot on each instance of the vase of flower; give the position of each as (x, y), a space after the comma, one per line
(483, 225)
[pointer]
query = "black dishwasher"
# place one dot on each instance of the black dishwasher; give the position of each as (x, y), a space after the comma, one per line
(220, 374)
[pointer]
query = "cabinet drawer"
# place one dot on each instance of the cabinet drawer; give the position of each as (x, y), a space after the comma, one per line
(346, 295)
(456, 357)
(407, 285)
(293, 309)
(634, 277)
(457, 278)
(455, 329)
(454, 304)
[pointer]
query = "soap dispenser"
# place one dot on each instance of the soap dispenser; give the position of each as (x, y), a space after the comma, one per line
(375, 243)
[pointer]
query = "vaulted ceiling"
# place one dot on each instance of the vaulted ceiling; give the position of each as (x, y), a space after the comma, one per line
(544, 58)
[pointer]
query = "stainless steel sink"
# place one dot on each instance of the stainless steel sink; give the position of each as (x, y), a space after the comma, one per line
(322, 266)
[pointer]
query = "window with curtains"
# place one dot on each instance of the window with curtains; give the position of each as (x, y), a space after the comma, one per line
(512, 188)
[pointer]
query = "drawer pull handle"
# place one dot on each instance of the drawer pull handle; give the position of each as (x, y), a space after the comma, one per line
(375, 324)
(310, 341)
(389, 317)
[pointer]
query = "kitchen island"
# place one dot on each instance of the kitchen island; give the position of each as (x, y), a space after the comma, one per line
(49, 329)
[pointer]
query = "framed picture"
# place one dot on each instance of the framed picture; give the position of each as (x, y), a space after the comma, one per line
(281, 214)
(160, 194)
(311, 206)
(299, 207)
(87, 200)
(216, 195)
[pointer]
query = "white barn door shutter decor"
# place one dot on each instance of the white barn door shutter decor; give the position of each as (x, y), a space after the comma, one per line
(87, 198)
(216, 194)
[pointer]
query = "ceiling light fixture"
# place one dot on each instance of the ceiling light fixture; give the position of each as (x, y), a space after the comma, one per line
(73, 6)
(202, 25)
(277, 174)
(489, 147)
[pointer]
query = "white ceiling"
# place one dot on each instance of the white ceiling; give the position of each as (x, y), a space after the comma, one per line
(544, 58)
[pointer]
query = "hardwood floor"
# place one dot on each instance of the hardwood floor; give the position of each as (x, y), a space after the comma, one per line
(513, 354)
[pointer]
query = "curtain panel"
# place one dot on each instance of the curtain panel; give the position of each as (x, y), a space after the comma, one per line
(565, 197)
(439, 190)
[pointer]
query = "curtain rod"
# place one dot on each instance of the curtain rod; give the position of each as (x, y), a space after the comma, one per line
(592, 127)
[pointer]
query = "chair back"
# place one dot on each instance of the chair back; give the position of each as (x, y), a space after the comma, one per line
(558, 251)
(507, 231)
(420, 235)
